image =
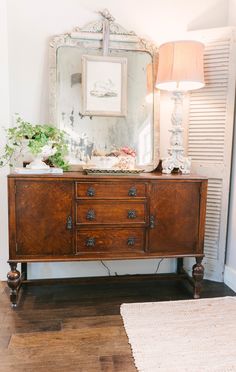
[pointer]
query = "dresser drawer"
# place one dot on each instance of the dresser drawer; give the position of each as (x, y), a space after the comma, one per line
(110, 240)
(110, 212)
(111, 190)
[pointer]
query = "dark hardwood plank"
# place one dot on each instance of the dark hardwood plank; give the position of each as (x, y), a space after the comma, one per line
(77, 326)
(93, 322)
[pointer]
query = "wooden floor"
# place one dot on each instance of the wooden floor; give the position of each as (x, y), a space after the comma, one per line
(77, 326)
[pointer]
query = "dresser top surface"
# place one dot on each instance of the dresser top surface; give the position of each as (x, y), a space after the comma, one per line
(81, 176)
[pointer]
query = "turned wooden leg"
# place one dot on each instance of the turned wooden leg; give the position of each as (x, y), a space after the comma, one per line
(198, 273)
(14, 282)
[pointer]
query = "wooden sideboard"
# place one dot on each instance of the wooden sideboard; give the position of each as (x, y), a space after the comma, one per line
(77, 217)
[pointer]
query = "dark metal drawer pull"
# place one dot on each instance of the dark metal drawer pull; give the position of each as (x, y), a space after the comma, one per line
(90, 242)
(152, 222)
(69, 224)
(90, 191)
(131, 241)
(132, 191)
(132, 214)
(90, 215)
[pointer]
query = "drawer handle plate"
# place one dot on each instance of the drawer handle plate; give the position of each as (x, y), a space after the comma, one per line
(152, 222)
(130, 241)
(90, 242)
(69, 223)
(90, 191)
(132, 191)
(132, 214)
(90, 215)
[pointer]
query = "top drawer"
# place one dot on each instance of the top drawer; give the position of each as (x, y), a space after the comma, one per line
(111, 190)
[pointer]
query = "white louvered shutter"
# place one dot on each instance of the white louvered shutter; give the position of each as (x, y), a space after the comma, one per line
(210, 133)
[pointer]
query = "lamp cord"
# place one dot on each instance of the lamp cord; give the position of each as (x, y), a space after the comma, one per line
(155, 272)
(109, 271)
(107, 268)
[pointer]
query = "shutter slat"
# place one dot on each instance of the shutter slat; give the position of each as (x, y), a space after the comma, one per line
(210, 127)
(207, 115)
(213, 212)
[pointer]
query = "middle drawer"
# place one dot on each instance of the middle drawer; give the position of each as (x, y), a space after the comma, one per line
(110, 212)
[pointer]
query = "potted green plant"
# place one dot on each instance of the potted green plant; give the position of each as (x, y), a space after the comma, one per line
(42, 141)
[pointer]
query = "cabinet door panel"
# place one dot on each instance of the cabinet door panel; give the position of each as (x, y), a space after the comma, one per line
(175, 207)
(42, 212)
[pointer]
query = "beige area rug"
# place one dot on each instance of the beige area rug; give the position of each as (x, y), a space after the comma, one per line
(192, 335)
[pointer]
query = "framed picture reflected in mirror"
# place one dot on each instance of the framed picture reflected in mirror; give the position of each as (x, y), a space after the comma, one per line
(104, 85)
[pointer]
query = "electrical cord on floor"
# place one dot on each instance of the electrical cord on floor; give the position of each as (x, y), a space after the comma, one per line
(107, 268)
(155, 272)
(109, 271)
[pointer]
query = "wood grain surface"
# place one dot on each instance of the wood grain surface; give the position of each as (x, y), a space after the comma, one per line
(77, 327)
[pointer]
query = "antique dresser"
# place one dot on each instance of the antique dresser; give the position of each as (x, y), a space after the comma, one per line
(77, 217)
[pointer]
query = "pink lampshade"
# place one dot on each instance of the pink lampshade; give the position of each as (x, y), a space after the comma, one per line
(180, 66)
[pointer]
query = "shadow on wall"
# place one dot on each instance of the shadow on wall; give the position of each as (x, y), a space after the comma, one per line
(208, 19)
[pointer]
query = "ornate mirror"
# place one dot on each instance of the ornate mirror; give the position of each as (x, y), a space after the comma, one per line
(86, 67)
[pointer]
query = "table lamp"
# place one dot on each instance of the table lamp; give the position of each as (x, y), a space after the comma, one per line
(180, 69)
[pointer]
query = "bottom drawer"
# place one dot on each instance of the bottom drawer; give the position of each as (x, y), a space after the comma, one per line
(110, 240)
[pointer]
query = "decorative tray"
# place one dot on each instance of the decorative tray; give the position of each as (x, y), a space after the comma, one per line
(118, 172)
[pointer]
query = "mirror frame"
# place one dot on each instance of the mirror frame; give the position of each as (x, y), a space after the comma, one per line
(92, 36)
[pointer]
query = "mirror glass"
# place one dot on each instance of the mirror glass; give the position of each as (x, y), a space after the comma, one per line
(102, 135)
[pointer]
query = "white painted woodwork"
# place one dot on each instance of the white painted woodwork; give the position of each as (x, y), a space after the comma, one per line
(210, 133)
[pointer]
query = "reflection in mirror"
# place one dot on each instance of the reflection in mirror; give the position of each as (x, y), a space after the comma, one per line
(91, 136)
(103, 135)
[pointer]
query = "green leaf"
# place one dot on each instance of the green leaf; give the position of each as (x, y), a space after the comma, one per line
(38, 136)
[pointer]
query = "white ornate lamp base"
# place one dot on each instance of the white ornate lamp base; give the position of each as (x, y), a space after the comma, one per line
(176, 161)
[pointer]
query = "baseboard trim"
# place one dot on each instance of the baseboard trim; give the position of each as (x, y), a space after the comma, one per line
(230, 277)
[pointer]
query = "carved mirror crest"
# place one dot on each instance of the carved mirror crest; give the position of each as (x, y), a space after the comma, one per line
(100, 132)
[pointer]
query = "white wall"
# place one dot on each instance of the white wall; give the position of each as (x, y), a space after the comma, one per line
(232, 13)
(230, 267)
(4, 120)
(30, 26)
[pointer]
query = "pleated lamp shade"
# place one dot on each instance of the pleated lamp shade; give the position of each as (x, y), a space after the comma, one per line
(180, 66)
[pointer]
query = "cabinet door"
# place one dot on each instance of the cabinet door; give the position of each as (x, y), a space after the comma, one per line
(44, 221)
(175, 208)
